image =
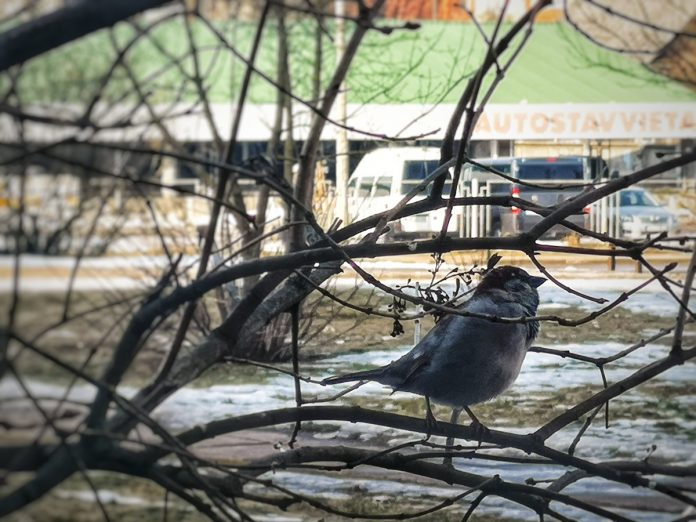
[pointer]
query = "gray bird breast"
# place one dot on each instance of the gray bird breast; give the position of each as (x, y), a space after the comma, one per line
(472, 360)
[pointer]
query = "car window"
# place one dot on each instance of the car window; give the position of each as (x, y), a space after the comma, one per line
(418, 170)
(365, 187)
(383, 186)
(550, 171)
(498, 185)
(500, 167)
(351, 187)
(636, 198)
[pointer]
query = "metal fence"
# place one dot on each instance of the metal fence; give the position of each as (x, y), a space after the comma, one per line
(605, 216)
(477, 220)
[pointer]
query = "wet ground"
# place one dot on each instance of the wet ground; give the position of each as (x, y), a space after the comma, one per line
(656, 419)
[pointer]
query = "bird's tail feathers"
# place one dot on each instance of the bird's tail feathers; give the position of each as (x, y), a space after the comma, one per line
(368, 375)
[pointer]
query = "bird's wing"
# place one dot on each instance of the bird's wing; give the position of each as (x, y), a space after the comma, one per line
(415, 366)
(400, 372)
(451, 335)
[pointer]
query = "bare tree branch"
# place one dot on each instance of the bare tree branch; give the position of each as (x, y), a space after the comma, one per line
(43, 34)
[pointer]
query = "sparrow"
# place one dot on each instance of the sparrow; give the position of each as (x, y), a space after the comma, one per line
(463, 360)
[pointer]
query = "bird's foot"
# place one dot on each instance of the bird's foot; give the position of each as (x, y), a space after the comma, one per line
(454, 419)
(480, 431)
(431, 424)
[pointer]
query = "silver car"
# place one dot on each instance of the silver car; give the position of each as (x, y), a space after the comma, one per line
(642, 216)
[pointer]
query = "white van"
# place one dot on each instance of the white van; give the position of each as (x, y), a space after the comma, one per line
(384, 176)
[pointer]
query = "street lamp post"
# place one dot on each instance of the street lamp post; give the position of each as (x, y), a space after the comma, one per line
(342, 134)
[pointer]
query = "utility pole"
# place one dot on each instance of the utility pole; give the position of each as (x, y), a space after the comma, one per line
(342, 135)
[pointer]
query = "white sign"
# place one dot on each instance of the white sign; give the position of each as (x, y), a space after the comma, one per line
(587, 122)
(535, 121)
(375, 121)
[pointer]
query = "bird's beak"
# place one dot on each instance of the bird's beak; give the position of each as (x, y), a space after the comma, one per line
(536, 282)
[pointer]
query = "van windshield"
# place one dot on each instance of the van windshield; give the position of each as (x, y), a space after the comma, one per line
(417, 171)
(550, 171)
(636, 198)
